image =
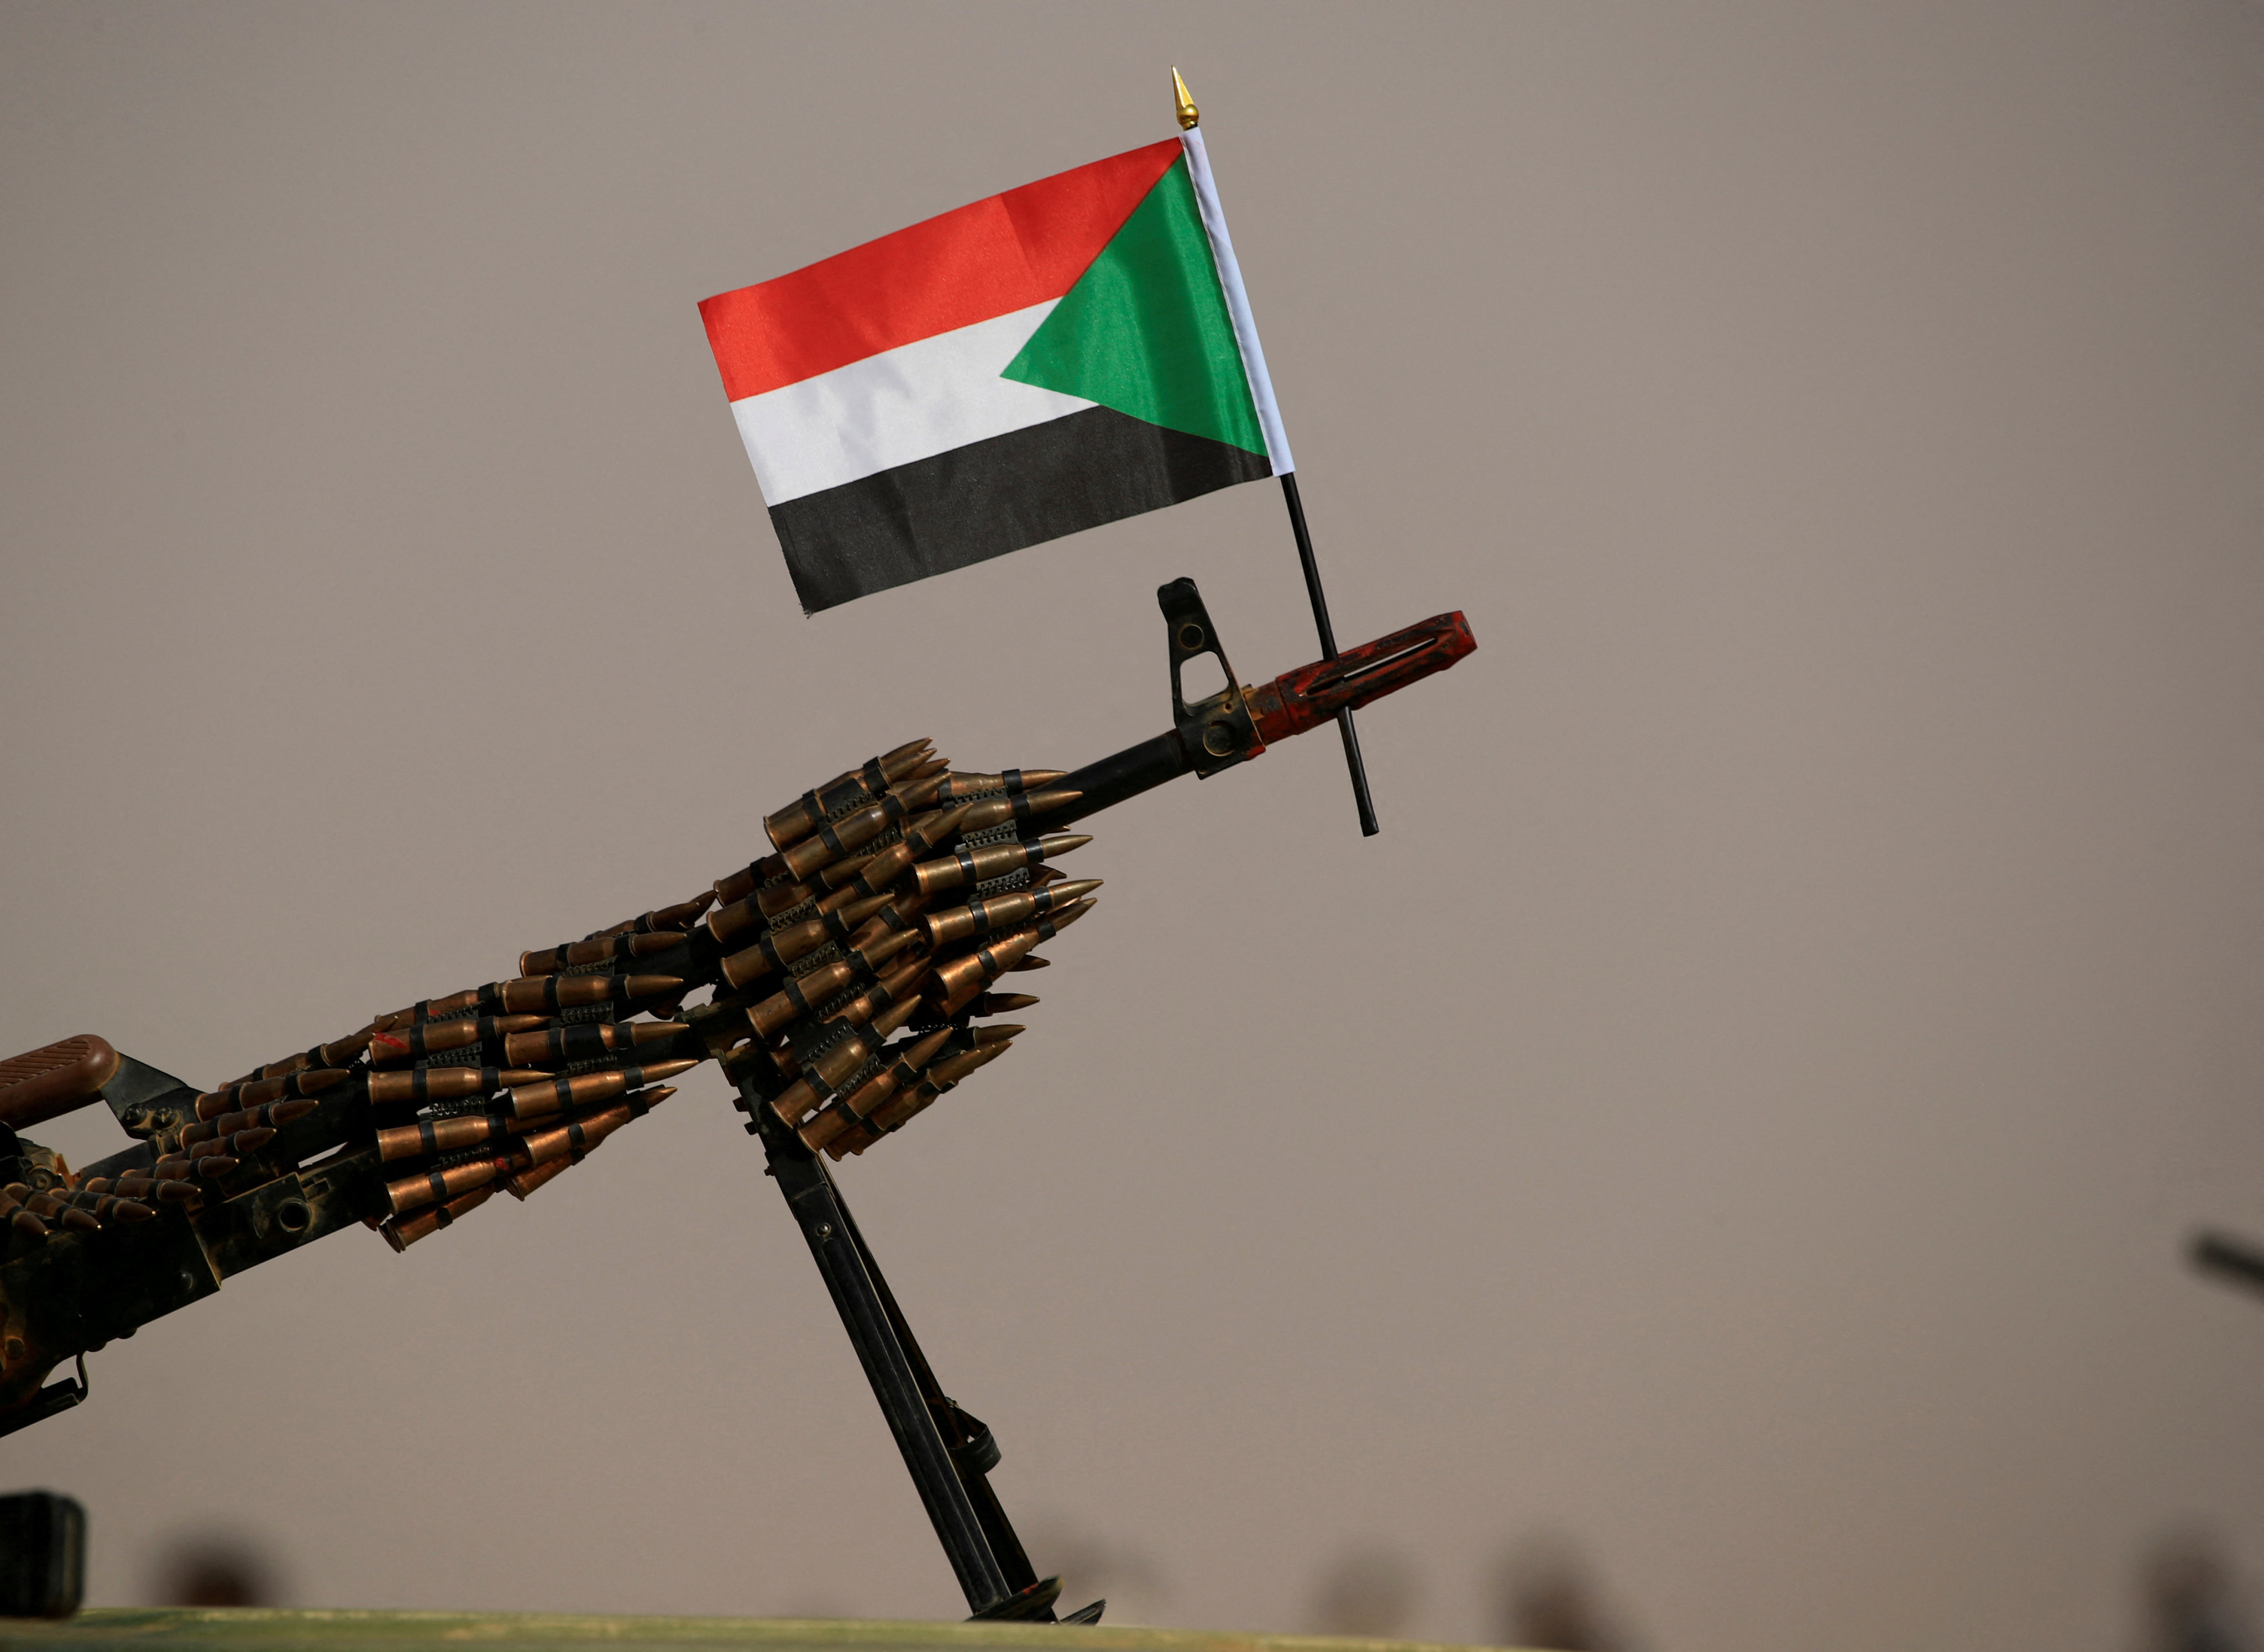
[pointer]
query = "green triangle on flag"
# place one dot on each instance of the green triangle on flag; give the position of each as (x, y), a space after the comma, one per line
(1145, 328)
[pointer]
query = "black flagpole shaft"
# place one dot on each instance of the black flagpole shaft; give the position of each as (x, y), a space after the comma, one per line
(1358, 769)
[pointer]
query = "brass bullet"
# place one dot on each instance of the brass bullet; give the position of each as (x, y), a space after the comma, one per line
(775, 954)
(423, 1084)
(238, 1098)
(896, 985)
(743, 1058)
(993, 861)
(738, 885)
(521, 1183)
(986, 916)
(961, 985)
(217, 1164)
(1001, 1032)
(871, 954)
(748, 916)
(873, 779)
(959, 979)
(680, 917)
(322, 1055)
(894, 1113)
(948, 1069)
(428, 1138)
(421, 1040)
(577, 1135)
(925, 834)
(583, 1041)
(846, 870)
(826, 1074)
(1032, 962)
(801, 996)
(958, 787)
(846, 1113)
(784, 897)
(132, 1185)
(581, 1134)
(240, 1142)
(1021, 808)
(344, 1050)
(731, 926)
(547, 995)
(866, 782)
(439, 1008)
(93, 1200)
(836, 839)
(895, 918)
(539, 1100)
(858, 787)
(1055, 922)
(404, 1231)
(999, 1003)
(663, 920)
(280, 1113)
(106, 1207)
(577, 954)
(806, 994)
(854, 883)
(273, 1115)
(440, 1185)
(879, 873)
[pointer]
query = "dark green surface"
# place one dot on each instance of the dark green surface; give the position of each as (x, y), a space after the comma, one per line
(1145, 330)
(343, 1631)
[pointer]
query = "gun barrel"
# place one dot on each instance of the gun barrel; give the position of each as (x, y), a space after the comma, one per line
(1291, 704)
(1313, 694)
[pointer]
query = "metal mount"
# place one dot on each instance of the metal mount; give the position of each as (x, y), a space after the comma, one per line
(947, 1451)
(56, 1396)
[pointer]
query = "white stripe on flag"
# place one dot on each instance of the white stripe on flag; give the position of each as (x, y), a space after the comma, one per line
(914, 401)
(1237, 302)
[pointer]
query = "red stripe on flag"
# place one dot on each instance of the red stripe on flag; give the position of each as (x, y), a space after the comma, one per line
(987, 258)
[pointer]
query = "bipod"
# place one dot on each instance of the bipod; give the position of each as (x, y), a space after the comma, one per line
(948, 1451)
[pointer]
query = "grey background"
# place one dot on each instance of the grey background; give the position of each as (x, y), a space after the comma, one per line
(1743, 1114)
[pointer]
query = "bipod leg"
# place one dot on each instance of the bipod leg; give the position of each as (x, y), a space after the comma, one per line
(974, 1452)
(946, 1452)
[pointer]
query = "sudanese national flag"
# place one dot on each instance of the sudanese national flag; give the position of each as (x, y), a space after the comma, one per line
(1064, 354)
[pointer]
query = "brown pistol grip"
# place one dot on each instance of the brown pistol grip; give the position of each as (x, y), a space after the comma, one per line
(58, 1078)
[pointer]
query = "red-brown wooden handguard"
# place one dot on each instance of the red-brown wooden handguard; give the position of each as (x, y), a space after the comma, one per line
(1314, 694)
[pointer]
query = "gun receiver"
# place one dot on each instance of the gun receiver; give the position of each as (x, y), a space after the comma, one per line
(894, 899)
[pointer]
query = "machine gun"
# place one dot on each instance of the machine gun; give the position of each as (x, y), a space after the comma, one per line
(852, 976)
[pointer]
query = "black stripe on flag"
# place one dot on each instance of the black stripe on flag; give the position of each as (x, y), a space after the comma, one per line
(995, 496)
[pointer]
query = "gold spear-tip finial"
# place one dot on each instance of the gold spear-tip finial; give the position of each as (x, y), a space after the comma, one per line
(1184, 99)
